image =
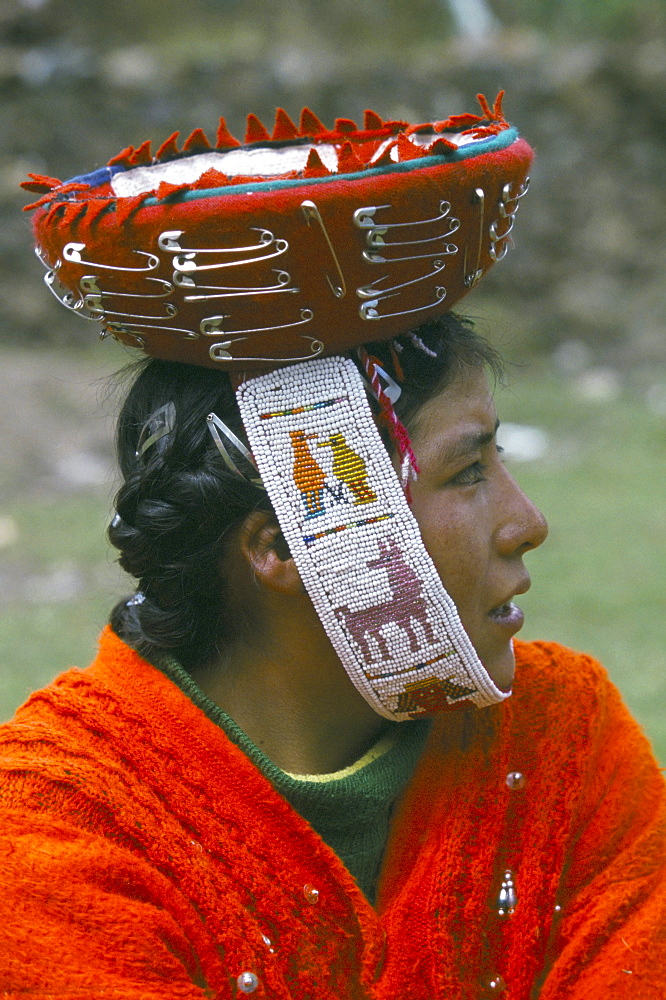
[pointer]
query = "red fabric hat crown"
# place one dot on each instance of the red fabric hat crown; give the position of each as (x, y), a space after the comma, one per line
(297, 244)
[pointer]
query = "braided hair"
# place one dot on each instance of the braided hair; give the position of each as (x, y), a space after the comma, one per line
(179, 507)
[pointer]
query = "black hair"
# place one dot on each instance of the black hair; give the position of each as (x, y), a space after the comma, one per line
(179, 506)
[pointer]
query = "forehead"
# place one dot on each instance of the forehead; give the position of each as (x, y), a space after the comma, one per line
(466, 405)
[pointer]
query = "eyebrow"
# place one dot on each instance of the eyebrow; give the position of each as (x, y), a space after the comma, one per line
(466, 444)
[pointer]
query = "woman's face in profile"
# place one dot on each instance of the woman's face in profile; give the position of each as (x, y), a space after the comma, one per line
(475, 521)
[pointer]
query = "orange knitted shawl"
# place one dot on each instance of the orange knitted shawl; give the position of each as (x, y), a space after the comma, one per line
(143, 856)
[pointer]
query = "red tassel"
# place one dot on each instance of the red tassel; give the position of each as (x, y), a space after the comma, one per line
(123, 159)
(125, 207)
(72, 211)
(44, 200)
(284, 128)
(385, 160)
(142, 156)
(256, 131)
(310, 124)
(497, 107)
(40, 183)
(371, 121)
(314, 167)
(440, 147)
(95, 209)
(166, 190)
(348, 161)
(407, 150)
(345, 125)
(196, 142)
(225, 139)
(396, 126)
(485, 107)
(65, 189)
(52, 212)
(212, 178)
(457, 123)
(168, 149)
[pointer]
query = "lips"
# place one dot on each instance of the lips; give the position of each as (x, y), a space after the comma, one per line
(508, 613)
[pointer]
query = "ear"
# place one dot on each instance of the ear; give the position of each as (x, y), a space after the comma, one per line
(265, 550)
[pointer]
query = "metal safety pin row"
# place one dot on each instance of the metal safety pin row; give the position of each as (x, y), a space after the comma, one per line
(212, 326)
(93, 303)
(312, 214)
(220, 351)
(72, 253)
(507, 198)
(365, 219)
(369, 310)
(89, 284)
(185, 258)
(371, 291)
(128, 328)
(185, 281)
(187, 262)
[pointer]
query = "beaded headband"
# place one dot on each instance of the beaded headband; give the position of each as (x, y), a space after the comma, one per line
(283, 251)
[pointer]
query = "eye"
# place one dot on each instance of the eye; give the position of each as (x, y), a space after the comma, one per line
(474, 473)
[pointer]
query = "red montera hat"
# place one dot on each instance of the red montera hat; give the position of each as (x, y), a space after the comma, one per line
(297, 244)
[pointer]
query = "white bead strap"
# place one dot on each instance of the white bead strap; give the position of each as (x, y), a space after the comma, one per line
(356, 543)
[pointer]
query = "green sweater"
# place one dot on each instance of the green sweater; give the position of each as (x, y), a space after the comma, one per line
(349, 809)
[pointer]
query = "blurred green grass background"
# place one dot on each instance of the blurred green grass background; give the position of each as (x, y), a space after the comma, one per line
(598, 582)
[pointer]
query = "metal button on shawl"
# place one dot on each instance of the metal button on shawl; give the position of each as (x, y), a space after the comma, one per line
(247, 982)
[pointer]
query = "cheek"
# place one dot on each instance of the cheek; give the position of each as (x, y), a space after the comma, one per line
(451, 536)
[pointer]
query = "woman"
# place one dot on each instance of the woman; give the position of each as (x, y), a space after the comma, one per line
(294, 768)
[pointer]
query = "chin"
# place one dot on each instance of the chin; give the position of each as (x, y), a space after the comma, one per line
(501, 667)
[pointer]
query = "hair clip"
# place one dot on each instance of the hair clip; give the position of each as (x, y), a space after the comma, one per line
(215, 426)
(158, 425)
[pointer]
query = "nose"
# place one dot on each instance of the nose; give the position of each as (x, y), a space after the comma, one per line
(523, 526)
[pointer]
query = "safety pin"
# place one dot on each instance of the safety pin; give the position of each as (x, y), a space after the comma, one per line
(375, 258)
(218, 352)
(495, 238)
(72, 253)
(117, 328)
(375, 237)
(41, 257)
(234, 291)
(311, 212)
(94, 304)
(508, 197)
(66, 299)
(169, 241)
(185, 281)
(470, 278)
(126, 328)
(368, 310)
(187, 261)
(212, 325)
(89, 284)
(364, 217)
(370, 291)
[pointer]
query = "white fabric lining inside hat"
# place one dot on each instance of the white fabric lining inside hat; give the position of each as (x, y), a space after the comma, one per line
(262, 161)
